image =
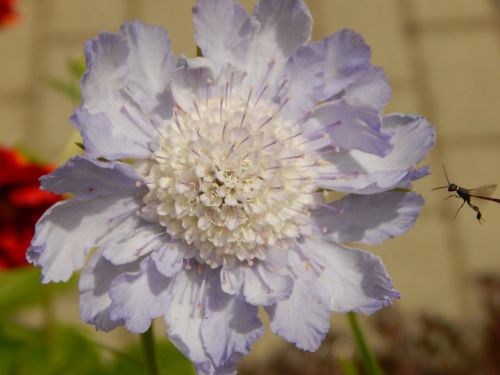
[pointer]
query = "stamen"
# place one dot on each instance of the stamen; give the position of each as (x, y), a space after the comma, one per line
(246, 107)
(275, 113)
(195, 104)
(220, 108)
(260, 95)
(178, 123)
(292, 157)
(269, 145)
(281, 86)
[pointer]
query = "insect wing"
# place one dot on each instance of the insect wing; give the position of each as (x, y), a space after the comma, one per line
(482, 195)
(484, 191)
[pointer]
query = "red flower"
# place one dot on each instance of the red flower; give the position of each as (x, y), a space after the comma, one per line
(21, 205)
(7, 13)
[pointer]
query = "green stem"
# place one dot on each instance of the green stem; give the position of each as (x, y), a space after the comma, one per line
(367, 357)
(348, 367)
(149, 351)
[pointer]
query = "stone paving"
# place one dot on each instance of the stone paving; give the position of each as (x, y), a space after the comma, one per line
(442, 58)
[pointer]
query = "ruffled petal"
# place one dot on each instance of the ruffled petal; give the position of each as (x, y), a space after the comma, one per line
(358, 126)
(260, 44)
(281, 26)
(88, 178)
(355, 280)
(191, 83)
(230, 326)
(369, 219)
(95, 281)
(139, 297)
(124, 88)
(106, 58)
(102, 138)
(69, 229)
(303, 82)
(185, 317)
(152, 64)
(169, 257)
(412, 137)
(220, 30)
(259, 284)
(284, 26)
(347, 60)
(304, 318)
(141, 238)
(371, 88)
(103, 119)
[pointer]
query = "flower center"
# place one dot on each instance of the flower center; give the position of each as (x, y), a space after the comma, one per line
(231, 179)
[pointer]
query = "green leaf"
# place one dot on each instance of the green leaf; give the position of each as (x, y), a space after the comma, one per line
(69, 89)
(21, 288)
(76, 67)
(402, 190)
(198, 52)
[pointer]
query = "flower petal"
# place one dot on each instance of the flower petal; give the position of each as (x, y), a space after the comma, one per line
(106, 58)
(95, 281)
(355, 280)
(284, 26)
(69, 229)
(281, 27)
(260, 284)
(185, 316)
(169, 258)
(230, 326)
(412, 137)
(347, 59)
(219, 26)
(140, 239)
(369, 219)
(88, 178)
(106, 129)
(304, 318)
(303, 77)
(191, 83)
(359, 126)
(139, 297)
(103, 138)
(371, 88)
(152, 64)
(125, 84)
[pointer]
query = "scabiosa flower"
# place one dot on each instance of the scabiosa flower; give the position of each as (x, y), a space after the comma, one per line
(21, 205)
(200, 194)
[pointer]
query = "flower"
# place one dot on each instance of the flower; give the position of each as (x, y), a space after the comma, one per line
(7, 13)
(202, 184)
(21, 205)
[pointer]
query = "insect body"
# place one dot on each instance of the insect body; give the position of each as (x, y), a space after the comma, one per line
(483, 192)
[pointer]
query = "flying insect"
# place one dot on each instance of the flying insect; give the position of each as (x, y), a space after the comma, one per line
(483, 192)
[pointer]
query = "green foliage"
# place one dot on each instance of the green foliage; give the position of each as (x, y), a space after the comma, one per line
(65, 350)
(70, 87)
(54, 349)
(21, 288)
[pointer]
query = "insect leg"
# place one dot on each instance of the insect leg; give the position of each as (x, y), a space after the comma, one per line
(450, 196)
(459, 208)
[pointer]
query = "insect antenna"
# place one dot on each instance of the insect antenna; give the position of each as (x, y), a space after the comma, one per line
(446, 175)
(447, 180)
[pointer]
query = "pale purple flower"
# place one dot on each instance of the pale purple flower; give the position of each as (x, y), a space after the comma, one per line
(201, 192)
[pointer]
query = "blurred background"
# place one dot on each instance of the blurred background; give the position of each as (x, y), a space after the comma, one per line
(442, 58)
